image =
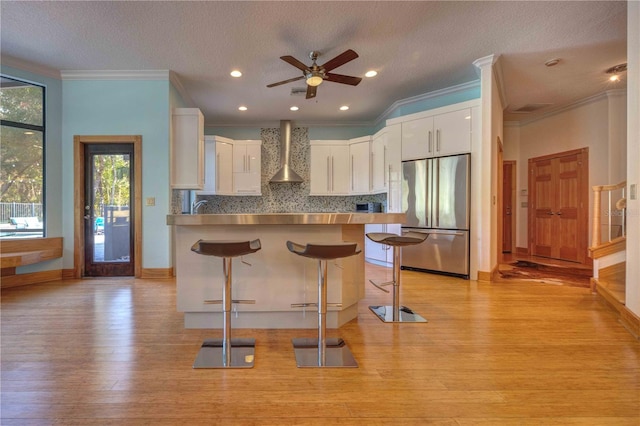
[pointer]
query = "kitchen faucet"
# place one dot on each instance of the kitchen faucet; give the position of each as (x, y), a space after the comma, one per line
(196, 205)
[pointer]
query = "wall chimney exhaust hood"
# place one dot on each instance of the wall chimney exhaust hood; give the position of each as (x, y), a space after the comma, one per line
(286, 173)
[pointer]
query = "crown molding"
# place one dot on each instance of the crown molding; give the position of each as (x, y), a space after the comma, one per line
(484, 61)
(23, 65)
(115, 74)
(568, 107)
(425, 96)
(174, 79)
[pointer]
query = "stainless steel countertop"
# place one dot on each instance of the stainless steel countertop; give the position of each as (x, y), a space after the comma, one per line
(285, 219)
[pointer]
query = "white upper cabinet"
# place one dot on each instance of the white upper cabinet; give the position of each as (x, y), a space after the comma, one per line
(231, 167)
(224, 166)
(379, 162)
(436, 135)
(417, 139)
(360, 157)
(187, 149)
(393, 175)
(452, 132)
(329, 168)
(246, 167)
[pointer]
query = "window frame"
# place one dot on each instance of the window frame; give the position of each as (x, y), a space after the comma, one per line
(39, 128)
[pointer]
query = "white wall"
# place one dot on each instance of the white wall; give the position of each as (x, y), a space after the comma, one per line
(587, 124)
(633, 156)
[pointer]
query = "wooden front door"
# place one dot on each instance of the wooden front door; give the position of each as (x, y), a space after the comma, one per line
(508, 219)
(558, 202)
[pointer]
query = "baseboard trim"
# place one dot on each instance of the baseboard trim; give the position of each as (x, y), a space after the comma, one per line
(628, 319)
(31, 278)
(68, 274)
(489, 276)
(523, 251)
(157, 273)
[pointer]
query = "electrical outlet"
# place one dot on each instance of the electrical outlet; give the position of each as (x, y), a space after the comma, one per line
(151, 201)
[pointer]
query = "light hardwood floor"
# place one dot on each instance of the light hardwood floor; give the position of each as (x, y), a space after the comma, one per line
(97, 351)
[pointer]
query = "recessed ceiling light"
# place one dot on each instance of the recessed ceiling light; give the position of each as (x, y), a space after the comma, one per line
(371, 73)
(615, 72)
(344, 108)
(236, 73)
(28, 133)
(294, 108)
(242, 108)
(552, 62)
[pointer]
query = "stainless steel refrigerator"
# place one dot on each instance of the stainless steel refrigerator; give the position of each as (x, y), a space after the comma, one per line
(436, 199)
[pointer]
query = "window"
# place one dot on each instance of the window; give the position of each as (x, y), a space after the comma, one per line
(22, 122)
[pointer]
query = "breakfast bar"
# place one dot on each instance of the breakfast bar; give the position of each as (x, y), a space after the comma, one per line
(275, 278)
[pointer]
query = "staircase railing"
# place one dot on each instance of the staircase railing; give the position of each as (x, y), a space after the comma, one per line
(609, 214)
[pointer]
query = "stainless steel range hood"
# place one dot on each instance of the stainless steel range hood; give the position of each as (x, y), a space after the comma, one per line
(286, 173)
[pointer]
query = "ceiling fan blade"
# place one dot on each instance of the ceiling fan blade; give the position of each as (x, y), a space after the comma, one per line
(311, 91)
(285, 81)
(340, 60)
(296, 63)
(344, 79)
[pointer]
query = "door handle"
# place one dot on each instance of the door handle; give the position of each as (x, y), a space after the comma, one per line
(87, 216)
(430, 141)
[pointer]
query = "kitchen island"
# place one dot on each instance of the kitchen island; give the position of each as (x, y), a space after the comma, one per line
(275, 278)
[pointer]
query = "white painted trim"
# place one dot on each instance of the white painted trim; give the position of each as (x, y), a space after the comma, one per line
(20, 64)
(175, 81)
(115, 75)
(430, 95)
(499, 76)
(431, 112)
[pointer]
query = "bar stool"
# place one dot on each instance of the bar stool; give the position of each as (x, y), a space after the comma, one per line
(396, 313)
(323, 351)
(226, 352)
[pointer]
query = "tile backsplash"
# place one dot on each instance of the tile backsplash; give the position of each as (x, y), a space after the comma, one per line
(280, 197)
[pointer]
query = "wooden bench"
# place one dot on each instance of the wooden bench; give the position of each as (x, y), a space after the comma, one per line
(27, 251)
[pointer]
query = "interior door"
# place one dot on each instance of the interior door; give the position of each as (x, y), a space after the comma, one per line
(508, 220)
(558, 206)
(108, 225)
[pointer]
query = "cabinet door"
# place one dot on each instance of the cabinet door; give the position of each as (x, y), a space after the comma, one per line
(360, 167)
(417, 139)
(224, 168)
(246, 169)
(394, 168)
(379, 163)
(319, 170)
(372, 250)
(209, 167)
(340, 170)
(187, 149)
(453, 132)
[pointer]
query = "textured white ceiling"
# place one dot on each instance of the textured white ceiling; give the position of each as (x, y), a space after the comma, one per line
(417, 47)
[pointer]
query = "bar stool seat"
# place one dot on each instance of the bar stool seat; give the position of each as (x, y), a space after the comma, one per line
(226, 352)
(323, 351)
(395, 312)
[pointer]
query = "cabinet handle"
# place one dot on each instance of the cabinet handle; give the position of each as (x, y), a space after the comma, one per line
(384, 162)
(438, 140)
(389, 195)
(371, 172)
(328, 175)
(352, 179)
(217, 172)
(430, 141)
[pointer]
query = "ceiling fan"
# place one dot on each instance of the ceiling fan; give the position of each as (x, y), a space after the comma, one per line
(315, 74)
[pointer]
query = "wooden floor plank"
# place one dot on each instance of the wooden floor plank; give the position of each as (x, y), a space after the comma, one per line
(115, 351)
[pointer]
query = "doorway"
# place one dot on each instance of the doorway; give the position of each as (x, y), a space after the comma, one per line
(558, 205)
(107, 204)
(508, 208)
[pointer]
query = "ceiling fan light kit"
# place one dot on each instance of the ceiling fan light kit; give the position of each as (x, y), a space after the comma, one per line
(315, 74)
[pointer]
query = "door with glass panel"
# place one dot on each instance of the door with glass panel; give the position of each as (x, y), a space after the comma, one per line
(108, 224)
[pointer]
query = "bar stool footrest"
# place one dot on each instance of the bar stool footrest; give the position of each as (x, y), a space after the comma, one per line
(211, 353)
(385, 313)
(337, 353)
(379, 286)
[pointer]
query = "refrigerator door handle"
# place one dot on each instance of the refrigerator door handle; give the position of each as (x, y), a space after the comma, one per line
(436, 192)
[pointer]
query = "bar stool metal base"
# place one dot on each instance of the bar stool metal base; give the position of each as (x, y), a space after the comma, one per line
(385, 313)
(337, 353)
(211, 354)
